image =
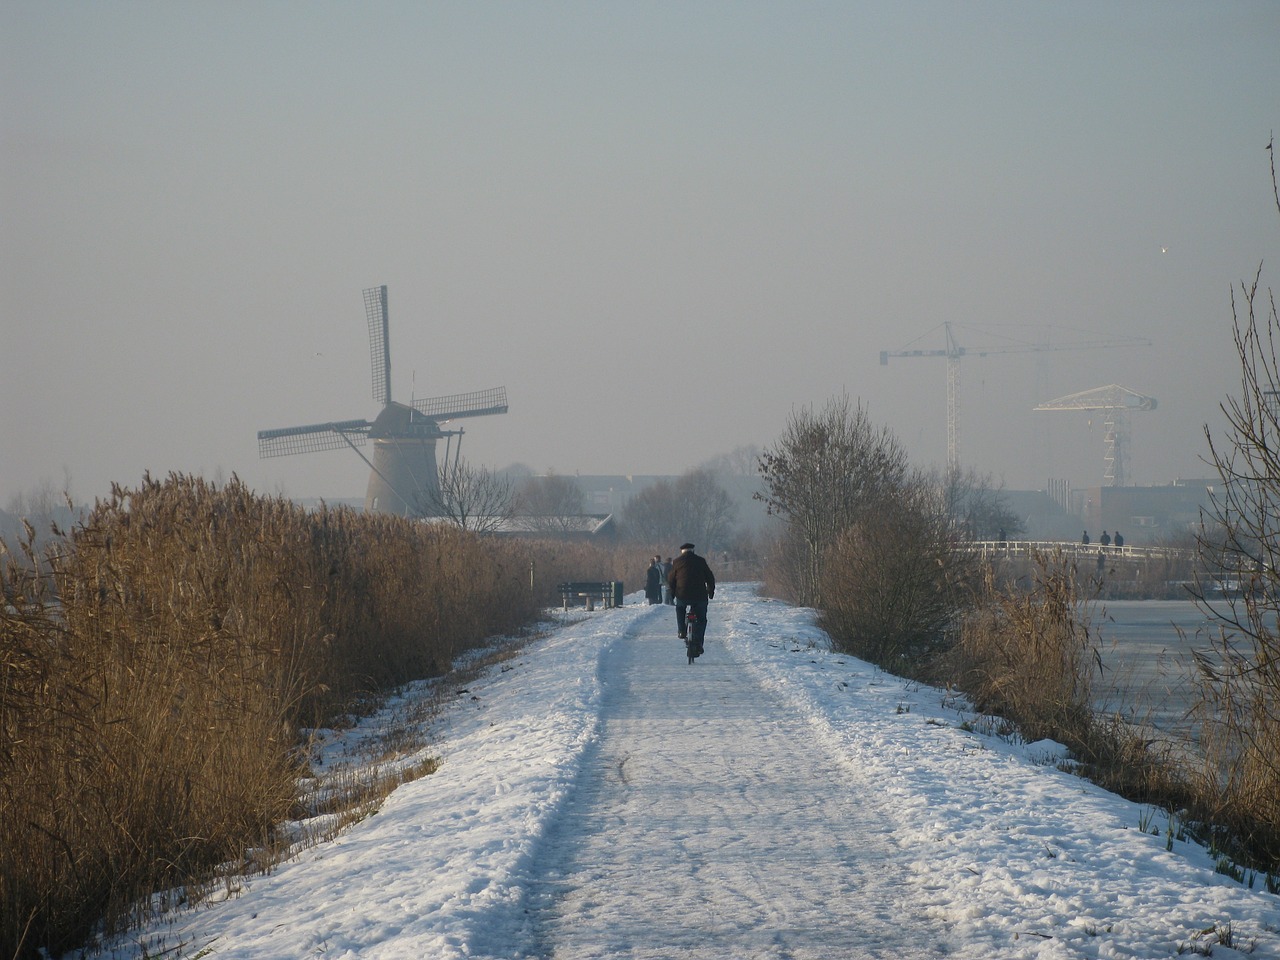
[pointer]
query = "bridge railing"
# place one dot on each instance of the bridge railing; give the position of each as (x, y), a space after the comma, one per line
(1025, 549)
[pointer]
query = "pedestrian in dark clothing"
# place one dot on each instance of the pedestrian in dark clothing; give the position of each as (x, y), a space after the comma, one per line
(1119, 540)
(653, 581)
(693, 584)
(1105, 539)
(1084, 540)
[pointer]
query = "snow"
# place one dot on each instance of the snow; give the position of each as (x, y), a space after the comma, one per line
(599, 797)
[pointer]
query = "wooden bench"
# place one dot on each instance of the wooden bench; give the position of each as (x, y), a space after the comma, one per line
(608, 592)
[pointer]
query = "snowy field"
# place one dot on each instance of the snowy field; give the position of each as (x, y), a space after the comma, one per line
(599, 798)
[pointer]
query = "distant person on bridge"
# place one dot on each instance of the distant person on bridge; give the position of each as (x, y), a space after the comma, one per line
(1105, 539)
(1085, 538)
(1119, 540)
(693, 584)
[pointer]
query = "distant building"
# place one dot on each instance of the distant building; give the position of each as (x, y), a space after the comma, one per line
(610, 493)
(1145, 515)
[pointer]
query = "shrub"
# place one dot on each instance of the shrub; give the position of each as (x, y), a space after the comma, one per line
(894, 583)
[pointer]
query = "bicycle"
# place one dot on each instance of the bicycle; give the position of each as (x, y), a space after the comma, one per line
(690, 621)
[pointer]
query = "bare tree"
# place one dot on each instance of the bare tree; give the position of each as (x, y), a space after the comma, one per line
(46, 508)
(707, 511)
(473, 498)
(549, 503)
(651, 516)
(823, 475)
(1240, 541)
(38, 503)
(694, 507)
(739, 462)
(976, 505)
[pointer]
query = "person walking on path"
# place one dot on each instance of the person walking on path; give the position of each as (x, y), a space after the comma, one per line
(653, 581)
(667, 596)
(693, 585)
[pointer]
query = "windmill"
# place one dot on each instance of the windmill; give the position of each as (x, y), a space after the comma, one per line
(953, 352)
(1116, 402)
(404, 476)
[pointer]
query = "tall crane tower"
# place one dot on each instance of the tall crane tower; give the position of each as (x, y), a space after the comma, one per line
(953, 352)
(1116, 402)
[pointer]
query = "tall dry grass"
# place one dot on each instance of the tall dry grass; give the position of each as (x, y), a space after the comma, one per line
(158, 663)
(1239, 724)
(1029, 655)
(1028, 652)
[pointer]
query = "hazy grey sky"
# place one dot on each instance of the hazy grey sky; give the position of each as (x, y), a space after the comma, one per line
(662, 226)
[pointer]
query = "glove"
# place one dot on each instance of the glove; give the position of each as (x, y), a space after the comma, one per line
(711, 594)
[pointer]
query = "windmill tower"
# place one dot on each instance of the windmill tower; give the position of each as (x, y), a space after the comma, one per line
(954, 351)
(1116, 402)
(404, 476)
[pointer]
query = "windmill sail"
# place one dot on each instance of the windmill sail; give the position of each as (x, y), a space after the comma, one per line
(375, 308)
(479, 403)
(317, 436)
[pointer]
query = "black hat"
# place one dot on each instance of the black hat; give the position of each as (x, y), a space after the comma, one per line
(686, 546)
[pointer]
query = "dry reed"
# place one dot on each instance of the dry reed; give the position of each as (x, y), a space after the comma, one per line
(158, 663)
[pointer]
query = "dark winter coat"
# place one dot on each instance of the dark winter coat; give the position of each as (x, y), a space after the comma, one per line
(691, 579)
(653, 583)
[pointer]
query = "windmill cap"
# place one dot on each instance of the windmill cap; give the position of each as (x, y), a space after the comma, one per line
(686, 546)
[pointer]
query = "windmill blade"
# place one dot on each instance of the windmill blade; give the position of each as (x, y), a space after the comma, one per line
(316, 436)
(480, 403)
(375, 308)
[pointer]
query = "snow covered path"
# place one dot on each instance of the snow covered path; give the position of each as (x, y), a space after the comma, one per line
(599, 798)
(707, 822)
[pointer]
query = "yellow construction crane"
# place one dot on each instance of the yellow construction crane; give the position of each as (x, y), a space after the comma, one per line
(1116, 401)
(953, 352)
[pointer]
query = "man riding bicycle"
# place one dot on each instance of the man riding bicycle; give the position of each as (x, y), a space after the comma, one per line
(693, 584)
